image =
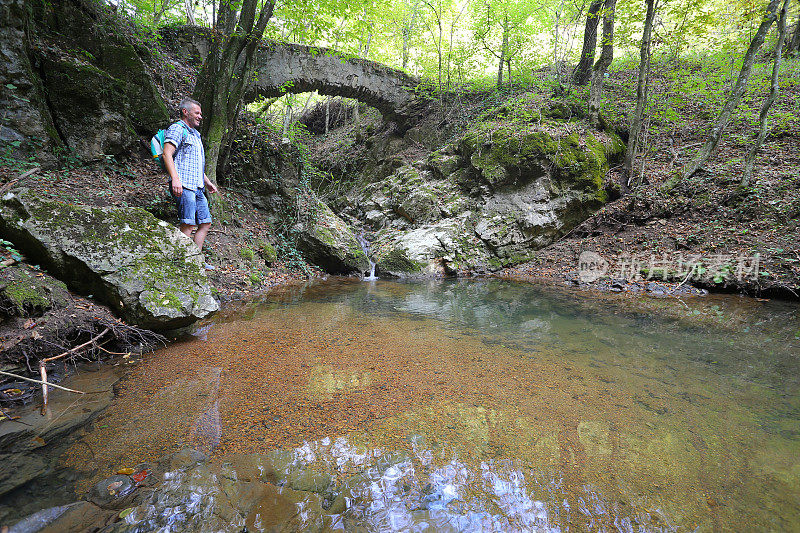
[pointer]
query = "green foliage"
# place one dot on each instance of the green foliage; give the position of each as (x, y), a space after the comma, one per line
(290, 256)
(256, 277)
(8, 250)
(268, 252)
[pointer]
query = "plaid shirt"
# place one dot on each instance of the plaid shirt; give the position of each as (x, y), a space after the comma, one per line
(190, 159)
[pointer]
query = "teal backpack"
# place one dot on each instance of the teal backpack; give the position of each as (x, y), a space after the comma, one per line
(157, 144)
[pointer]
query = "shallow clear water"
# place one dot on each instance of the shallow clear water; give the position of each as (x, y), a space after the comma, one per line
(503, 406)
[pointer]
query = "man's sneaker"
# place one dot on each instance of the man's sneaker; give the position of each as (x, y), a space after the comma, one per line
(209, 267)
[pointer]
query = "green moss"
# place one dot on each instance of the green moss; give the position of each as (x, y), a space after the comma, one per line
(325, 235)
(132, 232)
(397, 260)
(268, 252)
(502, 154)
(247, 253)
(25, 296)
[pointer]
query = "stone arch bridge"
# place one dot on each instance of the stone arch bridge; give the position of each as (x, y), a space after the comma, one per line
(282, 68)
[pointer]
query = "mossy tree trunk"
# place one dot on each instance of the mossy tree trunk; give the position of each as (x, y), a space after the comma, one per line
(793, 46)
(773, 94)
(641, 96)
(601, 66)
(224, 76)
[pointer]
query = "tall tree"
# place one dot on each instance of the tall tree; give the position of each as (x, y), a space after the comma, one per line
(641, 94)
(502, 27)
(704, 154)
(601, 66)
(228, 68)
(583, 70)
(409, 25)
(189, 12)
(773, 94)
(436, 29)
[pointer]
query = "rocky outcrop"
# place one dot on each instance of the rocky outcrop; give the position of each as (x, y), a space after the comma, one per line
(146, 270)
(326, 240)
(74, 80)
(26, 127)
(485, 201)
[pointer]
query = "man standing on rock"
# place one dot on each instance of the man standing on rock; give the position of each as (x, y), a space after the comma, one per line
(185, 161)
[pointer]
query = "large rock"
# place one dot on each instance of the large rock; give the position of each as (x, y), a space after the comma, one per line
(533, 186)
(100, 92)
(326, 240)
(25, 127)
(434, 250)
(143, 268)
(71, 77)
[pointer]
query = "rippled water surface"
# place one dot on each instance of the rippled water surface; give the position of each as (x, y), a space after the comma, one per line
(461, 406)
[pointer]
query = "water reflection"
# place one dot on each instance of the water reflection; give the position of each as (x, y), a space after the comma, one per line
(427, 489)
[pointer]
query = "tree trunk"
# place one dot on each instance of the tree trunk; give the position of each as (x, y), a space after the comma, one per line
(641, 96)
(327, 114)
(583, 71)
(710, 145)
(773, 94)
(408, 29)
(223, 77)
(794, 44)
(503, 52)
(601, 66)
(189, 12)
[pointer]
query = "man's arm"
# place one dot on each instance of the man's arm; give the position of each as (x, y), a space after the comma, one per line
(211, 186)
(169, 163)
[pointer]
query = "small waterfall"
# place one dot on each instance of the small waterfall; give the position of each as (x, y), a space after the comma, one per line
(367, 276)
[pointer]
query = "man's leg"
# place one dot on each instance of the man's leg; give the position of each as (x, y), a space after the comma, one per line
(187, 229)
(187, 207)
(200, 234)
(203, 219)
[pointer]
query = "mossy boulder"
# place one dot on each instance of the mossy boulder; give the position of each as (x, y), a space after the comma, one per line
(535, 185)
(146, 270)
(442, 163)
(502, 157)
(90, 85)
(326, 240)
(268, 252)
(88, 106)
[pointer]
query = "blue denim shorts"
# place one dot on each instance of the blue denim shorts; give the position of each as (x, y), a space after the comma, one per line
(192, 207)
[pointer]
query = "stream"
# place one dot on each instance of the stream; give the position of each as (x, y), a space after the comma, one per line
(466, 406)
